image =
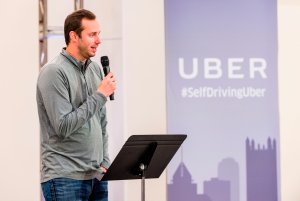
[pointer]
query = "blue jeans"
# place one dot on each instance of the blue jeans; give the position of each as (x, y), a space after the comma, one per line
(64, 189)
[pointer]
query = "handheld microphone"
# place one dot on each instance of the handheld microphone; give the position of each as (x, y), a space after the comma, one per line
(106, 69)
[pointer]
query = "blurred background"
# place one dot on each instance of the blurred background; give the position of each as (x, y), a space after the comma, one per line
(134, 39)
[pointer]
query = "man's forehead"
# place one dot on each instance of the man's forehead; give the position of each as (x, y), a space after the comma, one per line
(92, 25)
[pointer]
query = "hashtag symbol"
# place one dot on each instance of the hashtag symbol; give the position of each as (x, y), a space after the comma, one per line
(184, 92)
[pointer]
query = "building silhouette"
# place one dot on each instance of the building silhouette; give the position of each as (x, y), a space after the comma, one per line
(228, 169)
(182, 188)
(261, 171)
(217, 190)
(261, 178)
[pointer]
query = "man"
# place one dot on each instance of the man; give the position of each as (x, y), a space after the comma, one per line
(71, 97)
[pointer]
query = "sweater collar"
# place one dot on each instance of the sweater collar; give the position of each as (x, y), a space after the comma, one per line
(78, 64)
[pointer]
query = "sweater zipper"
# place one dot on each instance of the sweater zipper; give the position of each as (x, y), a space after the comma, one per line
(86, 84)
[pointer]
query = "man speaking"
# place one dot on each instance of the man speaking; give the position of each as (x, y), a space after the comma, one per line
(71, 97)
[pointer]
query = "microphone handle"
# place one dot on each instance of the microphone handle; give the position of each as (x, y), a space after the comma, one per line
(112, 96)
(106, 70)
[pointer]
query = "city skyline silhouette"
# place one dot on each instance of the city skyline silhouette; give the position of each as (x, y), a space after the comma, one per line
(261, 178)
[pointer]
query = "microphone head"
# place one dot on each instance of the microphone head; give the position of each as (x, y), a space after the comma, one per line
(104, 61)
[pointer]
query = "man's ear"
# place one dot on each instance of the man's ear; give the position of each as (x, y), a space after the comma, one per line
(73, 36)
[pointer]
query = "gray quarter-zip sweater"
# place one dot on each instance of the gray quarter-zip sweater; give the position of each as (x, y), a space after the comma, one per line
(74, 141)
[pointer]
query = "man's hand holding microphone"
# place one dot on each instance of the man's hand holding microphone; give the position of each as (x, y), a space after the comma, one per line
(108, 84)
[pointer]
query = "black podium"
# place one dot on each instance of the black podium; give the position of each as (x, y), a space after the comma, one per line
(143, 157)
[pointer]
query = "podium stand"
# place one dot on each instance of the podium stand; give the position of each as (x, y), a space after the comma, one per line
(143, 157)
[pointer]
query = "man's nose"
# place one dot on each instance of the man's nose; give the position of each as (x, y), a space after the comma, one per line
(98, 40)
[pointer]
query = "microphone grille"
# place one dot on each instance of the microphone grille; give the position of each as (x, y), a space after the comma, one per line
(104, 61)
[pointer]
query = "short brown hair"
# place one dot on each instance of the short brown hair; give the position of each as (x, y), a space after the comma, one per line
(73, 22)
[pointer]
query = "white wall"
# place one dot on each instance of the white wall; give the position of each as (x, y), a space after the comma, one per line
(144, 81)
(19, 144)
(289, 97)
(137, 54)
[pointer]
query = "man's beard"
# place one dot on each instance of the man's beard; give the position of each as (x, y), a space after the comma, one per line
(85, 53)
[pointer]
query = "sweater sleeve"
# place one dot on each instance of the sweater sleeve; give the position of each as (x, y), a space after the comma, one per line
(53, 90)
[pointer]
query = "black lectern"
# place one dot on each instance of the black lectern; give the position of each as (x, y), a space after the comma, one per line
(143, 157)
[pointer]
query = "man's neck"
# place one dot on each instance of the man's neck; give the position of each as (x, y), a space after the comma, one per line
(74, 53)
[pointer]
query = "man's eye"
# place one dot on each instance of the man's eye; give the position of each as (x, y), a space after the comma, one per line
(94, 34)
